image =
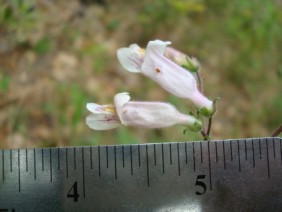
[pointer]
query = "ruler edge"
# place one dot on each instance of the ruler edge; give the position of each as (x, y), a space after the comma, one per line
(144, 144)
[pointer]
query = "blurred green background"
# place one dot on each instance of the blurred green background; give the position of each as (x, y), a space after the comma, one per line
(55, 56)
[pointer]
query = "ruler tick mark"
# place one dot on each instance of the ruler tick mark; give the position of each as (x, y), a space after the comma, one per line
(231, 154)
(26, 161)
(246, 151)
(122, 148)
(147, 162)
(163, 162)
(201, 148)
(186, 156)
(254, 163)
(216, 153)
(51, 171)
(67, 164)
(131, 162)
(170, 155)
(139, 160)
(178, 159)
(83, 171)
(107, 156)
(74, 158)
(115, 158)
(273, 143)
(99, 162)
(155, 156)
(223, 146)
(194, 161)
(260, 150)
(239, 159)
(59, 161)
(51, 174)
(3, 174)
(34, 163)
(42, 159)
(19, 170)
(210, 176)
(11, 161)
(267, 157)
(91, 157)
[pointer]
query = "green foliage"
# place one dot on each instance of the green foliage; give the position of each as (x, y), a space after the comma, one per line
(160, 15)
(43, 46)
(4, 82)
(97, 51)
(113, 24)
(256, 34)
(78, 100)
(270, 114)
(18, 17)
(125, 136)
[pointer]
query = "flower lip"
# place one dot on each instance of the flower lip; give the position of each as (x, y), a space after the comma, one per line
(121, 99)
(137, 49)
(131, 57)
(102, 121)
(159, 45)
(100, 109)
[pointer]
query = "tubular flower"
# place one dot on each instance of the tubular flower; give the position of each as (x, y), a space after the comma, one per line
(103, 117)
(166, 73)
(175, 55)
(139, 114)
(190, 63)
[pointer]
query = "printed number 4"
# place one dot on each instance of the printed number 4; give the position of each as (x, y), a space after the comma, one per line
(201, 184)
(73, 192)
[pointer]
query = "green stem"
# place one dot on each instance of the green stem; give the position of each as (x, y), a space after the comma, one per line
(205, 136)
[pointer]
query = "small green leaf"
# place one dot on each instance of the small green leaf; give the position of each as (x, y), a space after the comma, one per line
(205, 112)
(43, 46)
(4, 83)
(196, 127)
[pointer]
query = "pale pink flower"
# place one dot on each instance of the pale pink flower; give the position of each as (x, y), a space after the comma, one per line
(175, 55)
(190, 63)
(139, 114)
(103, 117)
(166, 73)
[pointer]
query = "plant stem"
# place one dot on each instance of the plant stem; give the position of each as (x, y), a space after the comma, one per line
(200, 81)
(277, 131)
(209, 126)
(205, 136)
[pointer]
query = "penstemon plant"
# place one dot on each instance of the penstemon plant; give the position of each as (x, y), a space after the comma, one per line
(173, 71)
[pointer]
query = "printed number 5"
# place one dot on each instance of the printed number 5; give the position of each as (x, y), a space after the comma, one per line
(201, 184)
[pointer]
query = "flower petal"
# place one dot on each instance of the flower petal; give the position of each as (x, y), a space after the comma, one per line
(175, 55)
(168, 74)
(154, 115)
(100, 109)
(131, 58)
(136, 48)
(121, 99)
(171, 76)
(158, 46)
(102, 121)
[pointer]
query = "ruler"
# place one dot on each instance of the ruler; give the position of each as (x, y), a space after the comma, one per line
(223, 175)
